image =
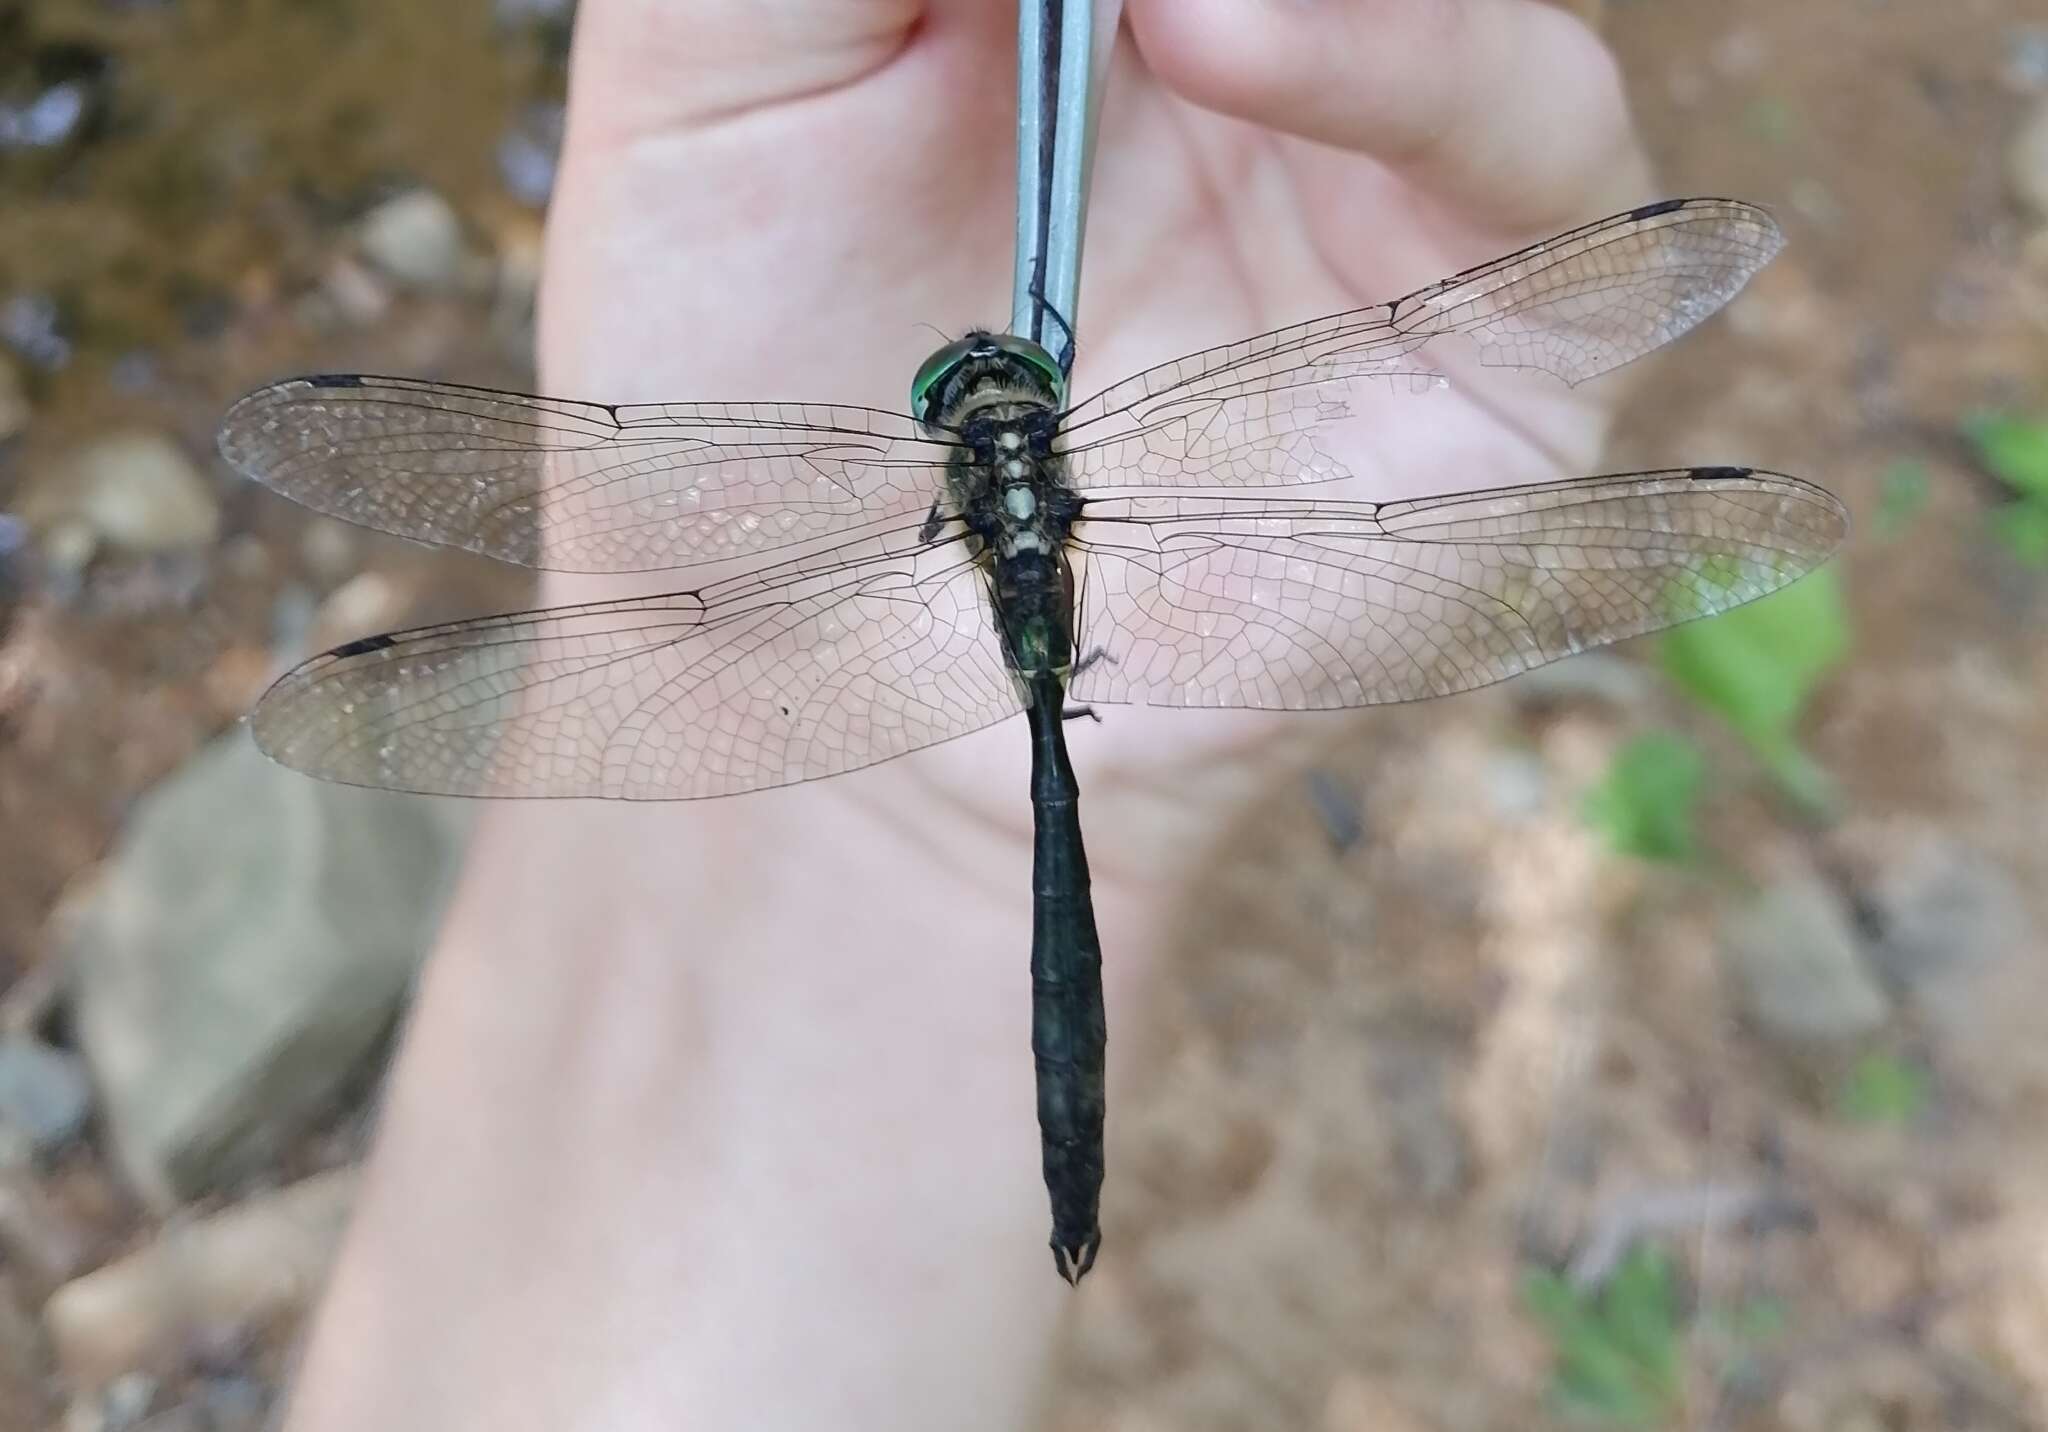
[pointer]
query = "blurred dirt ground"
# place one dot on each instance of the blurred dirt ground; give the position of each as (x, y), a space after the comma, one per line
(1411, 1064)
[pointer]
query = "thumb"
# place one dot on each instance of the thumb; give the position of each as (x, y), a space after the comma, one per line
(647, 66)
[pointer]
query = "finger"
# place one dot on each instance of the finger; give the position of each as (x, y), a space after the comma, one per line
(1512, 109)
(643, 66)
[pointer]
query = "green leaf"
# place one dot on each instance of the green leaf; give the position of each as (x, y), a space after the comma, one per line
(1553, 1302)
(1644, 804)
(2023, 527)
(1884, 1089)
(1758, 665)
(1640, 1310)
(1615, 1355)
(2014, 450)
(1902, 493)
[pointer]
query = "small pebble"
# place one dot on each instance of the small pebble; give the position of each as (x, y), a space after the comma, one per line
(45, 121)
(354, 295)
(329, 550)
(362, 606)
(1516, 783)
(68, 547)
(136, 491)
(1798, 967)
(127, 1399)
(416, 239)
(527, 156)
(32, 327)
(2026, 58)
(1337, 805)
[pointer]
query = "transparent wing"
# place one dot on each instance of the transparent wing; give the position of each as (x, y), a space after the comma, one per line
(580, 487)
(807, 669)
(1574, 307)
(1294, 605)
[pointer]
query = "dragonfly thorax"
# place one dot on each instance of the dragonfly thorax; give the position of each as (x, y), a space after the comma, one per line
(1009, 489)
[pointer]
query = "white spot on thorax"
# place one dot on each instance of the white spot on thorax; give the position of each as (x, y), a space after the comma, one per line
(1019, 503)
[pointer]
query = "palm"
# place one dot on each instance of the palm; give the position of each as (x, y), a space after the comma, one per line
(863, 218)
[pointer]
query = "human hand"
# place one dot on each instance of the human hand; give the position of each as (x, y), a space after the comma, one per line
(721, 1114)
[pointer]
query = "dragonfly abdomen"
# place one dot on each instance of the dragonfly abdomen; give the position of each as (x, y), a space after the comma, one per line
(1068, 1029)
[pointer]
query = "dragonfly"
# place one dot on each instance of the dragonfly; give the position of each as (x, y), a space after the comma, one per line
(997, 551)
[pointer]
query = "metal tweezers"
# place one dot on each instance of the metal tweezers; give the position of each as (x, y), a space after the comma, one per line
(1059, 83)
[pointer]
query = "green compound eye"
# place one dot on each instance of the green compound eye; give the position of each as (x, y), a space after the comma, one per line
(933, 373)
(935, 370)
(1048, 367)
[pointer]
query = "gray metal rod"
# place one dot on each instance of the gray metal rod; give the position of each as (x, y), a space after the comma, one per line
(1058, 81)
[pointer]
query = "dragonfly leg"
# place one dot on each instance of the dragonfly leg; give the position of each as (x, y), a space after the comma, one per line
(1094, 656)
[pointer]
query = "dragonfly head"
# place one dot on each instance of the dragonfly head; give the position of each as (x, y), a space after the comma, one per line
(1001, 363)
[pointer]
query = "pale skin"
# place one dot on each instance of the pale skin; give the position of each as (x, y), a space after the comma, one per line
(720, 1115)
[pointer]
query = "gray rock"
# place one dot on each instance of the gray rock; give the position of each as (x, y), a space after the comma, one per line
(1793, 955)
(135, 491)
(243, 951)
(43, 1092)
(2026, 161)
(415, 238)
(1934, 910)
(1949, 930)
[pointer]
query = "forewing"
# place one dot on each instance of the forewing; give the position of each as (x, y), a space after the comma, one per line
(580, 487)
(798, 672)
(1288, 605)
(1574, 307)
